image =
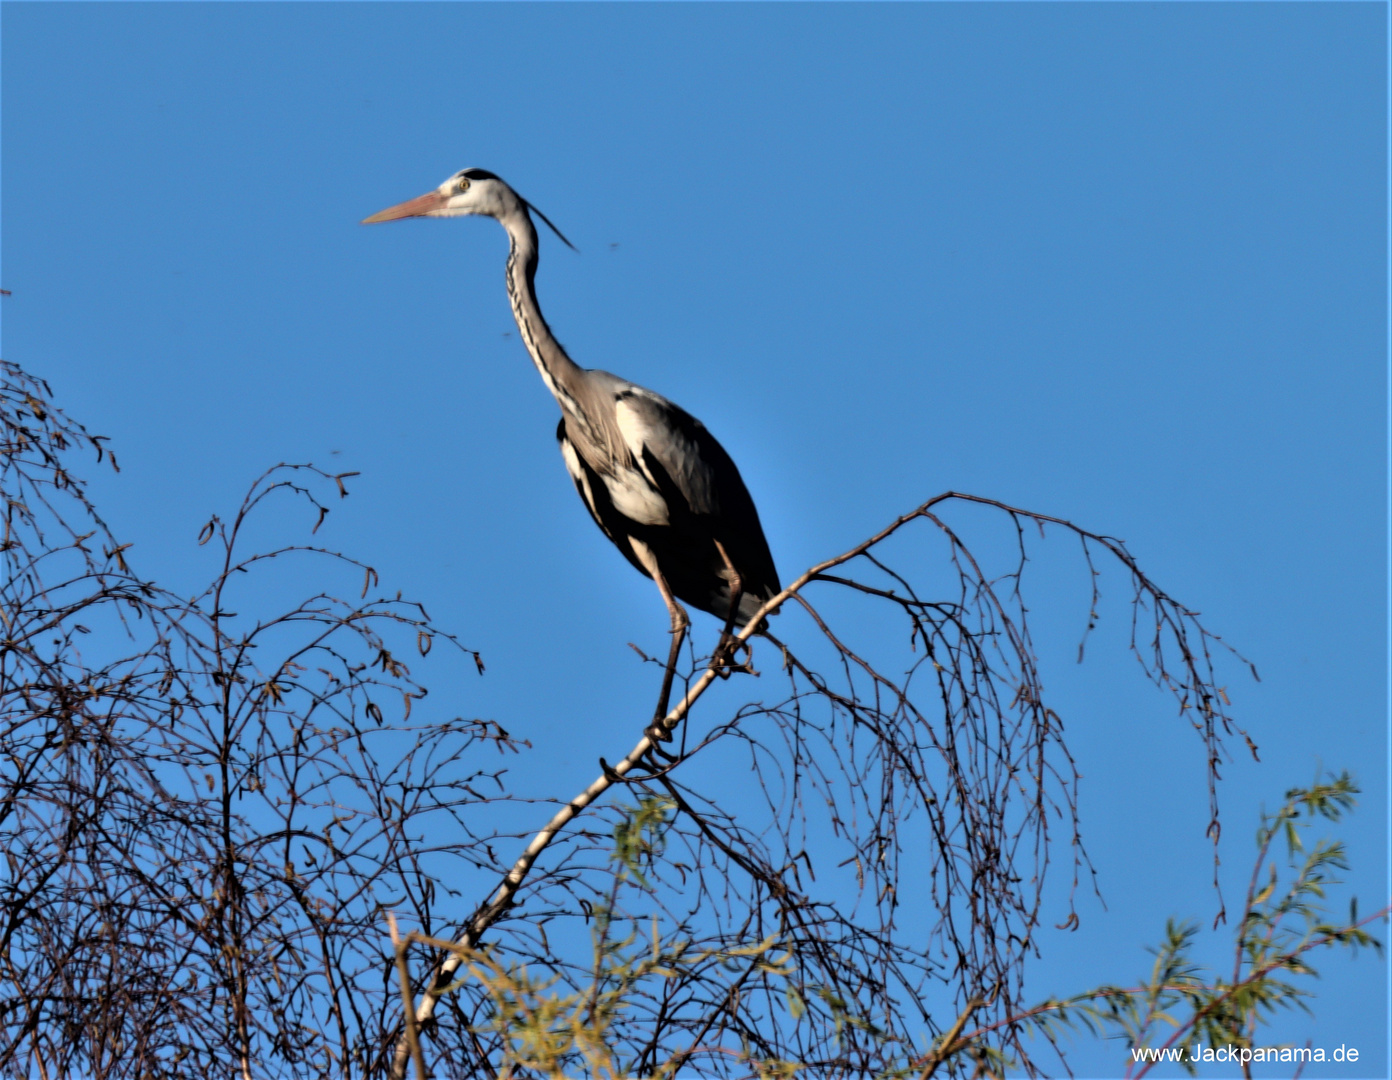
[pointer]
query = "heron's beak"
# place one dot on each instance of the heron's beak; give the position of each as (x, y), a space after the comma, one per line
(431, 200)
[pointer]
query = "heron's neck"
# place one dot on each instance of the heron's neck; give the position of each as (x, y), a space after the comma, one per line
(560, 373)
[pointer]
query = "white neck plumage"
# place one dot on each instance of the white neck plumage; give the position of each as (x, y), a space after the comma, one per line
(558, 371)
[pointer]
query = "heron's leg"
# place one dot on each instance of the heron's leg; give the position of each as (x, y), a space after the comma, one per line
(736, 593)
(680, 621)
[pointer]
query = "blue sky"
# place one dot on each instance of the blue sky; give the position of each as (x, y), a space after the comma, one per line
(1124, 264)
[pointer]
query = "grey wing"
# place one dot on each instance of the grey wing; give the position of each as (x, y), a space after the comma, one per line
(673, 449)
(698, 480)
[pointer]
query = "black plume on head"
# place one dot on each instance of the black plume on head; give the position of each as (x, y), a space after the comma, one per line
(550, 226)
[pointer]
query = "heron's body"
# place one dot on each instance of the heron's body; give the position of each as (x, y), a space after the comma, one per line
(671, 495)
(653, 478)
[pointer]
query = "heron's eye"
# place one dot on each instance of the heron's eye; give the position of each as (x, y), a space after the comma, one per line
(461, 185)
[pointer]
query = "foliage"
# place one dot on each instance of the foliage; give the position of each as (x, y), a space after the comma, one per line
(556, 1033)
(1283, 923)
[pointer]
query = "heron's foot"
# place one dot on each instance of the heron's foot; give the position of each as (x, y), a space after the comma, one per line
(657, 731)
(727, 658)
(724, 650)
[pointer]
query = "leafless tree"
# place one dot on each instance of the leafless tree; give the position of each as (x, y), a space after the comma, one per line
(208, 812)
(204, 810)
(943, 779)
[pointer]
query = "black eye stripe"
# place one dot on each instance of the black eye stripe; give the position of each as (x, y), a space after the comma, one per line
(479, 174)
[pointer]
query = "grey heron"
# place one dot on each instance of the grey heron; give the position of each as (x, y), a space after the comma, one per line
(654, 479)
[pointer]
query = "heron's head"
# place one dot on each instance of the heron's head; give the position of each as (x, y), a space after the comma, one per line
(469, 191)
